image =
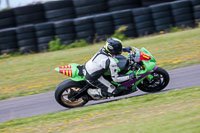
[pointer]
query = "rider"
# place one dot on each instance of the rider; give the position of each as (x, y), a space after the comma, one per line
(99, 64)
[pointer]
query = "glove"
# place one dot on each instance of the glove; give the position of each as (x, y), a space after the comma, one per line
(131, 75)
(127, 49)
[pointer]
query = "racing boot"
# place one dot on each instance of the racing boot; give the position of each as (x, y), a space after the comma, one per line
(95, 93)
(117, 92)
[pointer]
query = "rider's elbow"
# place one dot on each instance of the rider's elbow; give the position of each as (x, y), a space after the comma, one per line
(116, 79)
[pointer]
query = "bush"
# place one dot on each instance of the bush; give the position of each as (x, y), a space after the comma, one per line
(119, 33)
(176, 29)
(75, 44)
(6, 55)
(56, 45)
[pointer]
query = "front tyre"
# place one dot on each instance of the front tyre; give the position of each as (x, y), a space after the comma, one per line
(160, 81)
(67, 88)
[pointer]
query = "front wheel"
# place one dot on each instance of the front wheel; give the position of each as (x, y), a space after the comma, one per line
(68, 88)
(160, 81)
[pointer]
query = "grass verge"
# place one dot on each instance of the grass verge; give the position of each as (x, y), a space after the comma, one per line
(172, 111)
(32, 74)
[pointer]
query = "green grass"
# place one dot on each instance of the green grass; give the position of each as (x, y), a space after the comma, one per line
(175, 111)
(34, 73)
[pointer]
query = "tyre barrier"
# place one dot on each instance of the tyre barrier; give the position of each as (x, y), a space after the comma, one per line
(59, 10)
(8, 41)
(64, 9)
(116, 5)
(89, 7)
(162, 17)
(182, 13)
(31, 14)
(7, 19)
(84, 28)
(143, 21)
(140, 21)
(196, 9)
(103, 24)
(44, 34)
(153, 2)
(26, 39)
(124, 18)
(65, 31)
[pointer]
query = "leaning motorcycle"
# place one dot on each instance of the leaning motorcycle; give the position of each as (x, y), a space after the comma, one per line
(148, 78)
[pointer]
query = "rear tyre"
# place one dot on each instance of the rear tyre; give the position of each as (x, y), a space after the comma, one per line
(67, 88)
(159, 82)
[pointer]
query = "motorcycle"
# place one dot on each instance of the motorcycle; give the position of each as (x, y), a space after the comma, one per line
(148, 78)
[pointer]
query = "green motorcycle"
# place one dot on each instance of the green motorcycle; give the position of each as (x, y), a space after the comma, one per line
(149, 78)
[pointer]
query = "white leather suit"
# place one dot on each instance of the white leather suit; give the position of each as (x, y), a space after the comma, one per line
(97, 66)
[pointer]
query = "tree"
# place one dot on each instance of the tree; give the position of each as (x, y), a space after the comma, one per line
(7, 3)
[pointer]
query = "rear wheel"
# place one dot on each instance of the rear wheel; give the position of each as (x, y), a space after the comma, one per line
(160, 81)
(66, 89)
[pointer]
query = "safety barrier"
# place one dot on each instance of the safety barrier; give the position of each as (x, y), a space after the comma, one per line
(30, 28)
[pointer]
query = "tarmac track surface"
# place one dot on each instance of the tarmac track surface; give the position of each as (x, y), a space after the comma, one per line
(45, 103)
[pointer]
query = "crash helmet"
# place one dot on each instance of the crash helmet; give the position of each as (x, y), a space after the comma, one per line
(113, 46)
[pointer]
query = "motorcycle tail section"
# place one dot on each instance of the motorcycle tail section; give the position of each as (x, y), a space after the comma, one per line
(66, 70)
(72, 71)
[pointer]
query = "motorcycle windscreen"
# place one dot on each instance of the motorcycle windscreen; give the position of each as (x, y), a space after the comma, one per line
(122, 63)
